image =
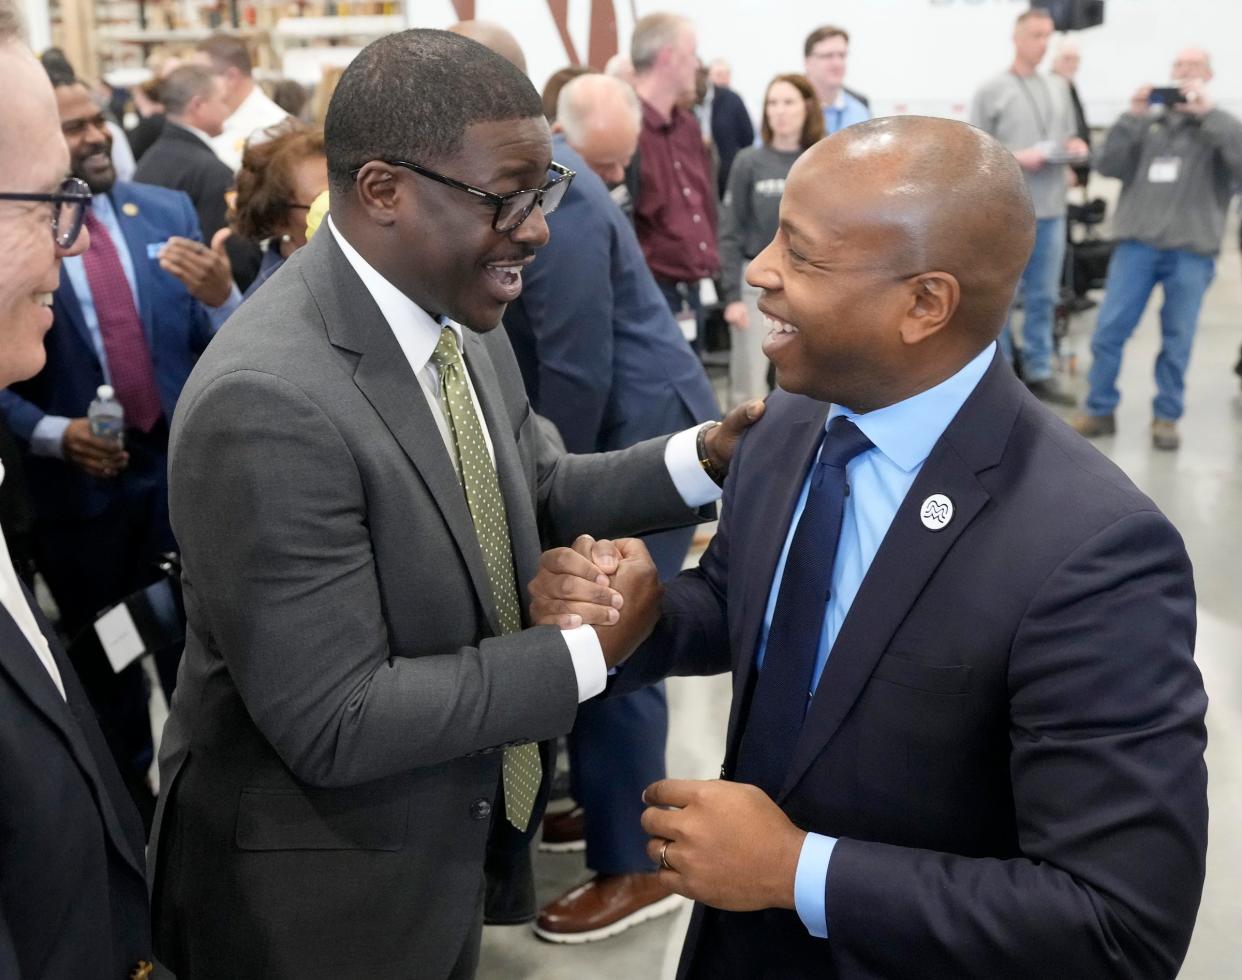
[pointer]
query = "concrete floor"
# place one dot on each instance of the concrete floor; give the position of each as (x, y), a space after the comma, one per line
(1199, 488)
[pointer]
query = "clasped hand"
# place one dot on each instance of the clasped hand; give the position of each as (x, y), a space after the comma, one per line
(611, 585)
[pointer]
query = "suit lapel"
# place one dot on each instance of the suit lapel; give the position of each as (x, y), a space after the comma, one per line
(383, 375)
(69, 307)
(776, 498)
(132, 227)
(19, 660)
(908, 557)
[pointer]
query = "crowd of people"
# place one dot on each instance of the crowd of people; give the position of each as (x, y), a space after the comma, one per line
(417, 435)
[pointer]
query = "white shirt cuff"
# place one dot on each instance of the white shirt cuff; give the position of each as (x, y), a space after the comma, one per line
(588, 659)
(48, 437)
(682, 459)
(811, 881)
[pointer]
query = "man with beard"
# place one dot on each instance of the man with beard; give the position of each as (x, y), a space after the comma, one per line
(133, 312)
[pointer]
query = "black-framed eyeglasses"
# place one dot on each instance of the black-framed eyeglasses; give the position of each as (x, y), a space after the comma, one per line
(512, 208)
(71, 200)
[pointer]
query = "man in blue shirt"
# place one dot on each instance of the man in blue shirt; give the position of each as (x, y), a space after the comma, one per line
(826, 52)
(967, 728)
(132, 312)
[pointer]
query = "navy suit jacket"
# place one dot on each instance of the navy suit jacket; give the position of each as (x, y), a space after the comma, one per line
(176, 325)
(599, 350)
(73, 894)
(1008, 736)
(732, 130)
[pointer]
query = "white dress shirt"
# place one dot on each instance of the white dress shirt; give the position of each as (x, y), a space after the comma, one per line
(256, 113)
(14, 601)
(418, 334)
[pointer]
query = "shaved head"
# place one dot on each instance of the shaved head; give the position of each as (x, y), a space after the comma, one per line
(495, 37)
(899, 250)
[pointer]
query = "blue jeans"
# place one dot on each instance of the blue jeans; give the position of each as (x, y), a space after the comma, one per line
(1040, 288)
(1133, 273)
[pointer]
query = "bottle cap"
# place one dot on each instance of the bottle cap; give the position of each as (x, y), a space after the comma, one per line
(105, 393)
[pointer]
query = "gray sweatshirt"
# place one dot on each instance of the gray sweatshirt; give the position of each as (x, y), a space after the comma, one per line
(1023, 112)
(1178, 175)
(750, 214)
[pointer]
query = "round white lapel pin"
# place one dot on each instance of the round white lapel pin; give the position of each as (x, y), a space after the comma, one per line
(936, 512)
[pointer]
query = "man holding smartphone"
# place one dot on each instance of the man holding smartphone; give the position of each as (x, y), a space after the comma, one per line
(1179, 157)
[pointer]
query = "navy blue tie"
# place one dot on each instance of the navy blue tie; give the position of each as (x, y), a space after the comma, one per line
(782, 692)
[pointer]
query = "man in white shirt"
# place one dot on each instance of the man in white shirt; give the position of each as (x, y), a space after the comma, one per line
(250, 110)
(73, 897)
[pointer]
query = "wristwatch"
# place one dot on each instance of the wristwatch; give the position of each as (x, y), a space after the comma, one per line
(700, 446)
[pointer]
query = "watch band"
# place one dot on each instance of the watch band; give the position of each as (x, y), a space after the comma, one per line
(713, 471)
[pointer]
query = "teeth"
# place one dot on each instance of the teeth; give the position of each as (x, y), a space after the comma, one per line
(778, 326)
(44, 299)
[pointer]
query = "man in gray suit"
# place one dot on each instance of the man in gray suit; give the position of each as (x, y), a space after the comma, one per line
(360, 490)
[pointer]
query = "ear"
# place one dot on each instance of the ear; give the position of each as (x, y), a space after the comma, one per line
(934, 300)
(379, 192)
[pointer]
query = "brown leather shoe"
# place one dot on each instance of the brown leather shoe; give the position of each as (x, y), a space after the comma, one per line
(1095, 425)
(605, 906)
(563, 832)
(1164, 434)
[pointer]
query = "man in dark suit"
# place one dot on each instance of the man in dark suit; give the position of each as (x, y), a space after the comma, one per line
(134, 312)
(967, 728)
(359, 488)
(604, 360)
(73, 899)
(731, 129)
(183, 159)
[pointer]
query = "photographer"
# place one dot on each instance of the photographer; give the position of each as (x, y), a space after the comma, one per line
(1179, 158)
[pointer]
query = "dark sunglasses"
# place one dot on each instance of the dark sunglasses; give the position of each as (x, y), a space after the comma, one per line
(512, 208)
(70, 200)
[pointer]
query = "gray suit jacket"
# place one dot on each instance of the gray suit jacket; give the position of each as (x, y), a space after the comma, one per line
(332, 754)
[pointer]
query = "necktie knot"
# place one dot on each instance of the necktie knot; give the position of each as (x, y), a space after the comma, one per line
(446, 354)
(843, 442)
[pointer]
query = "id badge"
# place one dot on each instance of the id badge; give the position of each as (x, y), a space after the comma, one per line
(707, 292)
(154, 249)
(1164, 170)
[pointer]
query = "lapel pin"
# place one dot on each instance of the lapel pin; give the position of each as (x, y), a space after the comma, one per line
(129, 209)
(936, 512)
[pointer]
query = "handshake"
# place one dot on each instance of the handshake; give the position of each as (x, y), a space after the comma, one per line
(611, 585)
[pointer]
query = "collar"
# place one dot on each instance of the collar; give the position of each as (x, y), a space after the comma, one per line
(653, 120)
(906, 431)
(415, 329)
(101, 204)
(206, 140)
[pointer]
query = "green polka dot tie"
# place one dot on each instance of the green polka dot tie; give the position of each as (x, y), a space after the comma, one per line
(522, 770)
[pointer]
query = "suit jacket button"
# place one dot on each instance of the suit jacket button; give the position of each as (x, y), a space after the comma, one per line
(480, 810)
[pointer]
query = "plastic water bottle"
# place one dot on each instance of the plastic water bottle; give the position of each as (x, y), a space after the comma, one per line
(107, 418)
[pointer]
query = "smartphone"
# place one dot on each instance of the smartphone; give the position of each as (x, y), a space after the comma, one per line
(1166, 95)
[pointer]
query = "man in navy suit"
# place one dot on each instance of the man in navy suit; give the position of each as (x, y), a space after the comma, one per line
(73, 899)
(604, 360)
(134, 312)
(967, 728)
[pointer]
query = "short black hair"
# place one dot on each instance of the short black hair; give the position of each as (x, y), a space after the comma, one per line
(412, 95)
(58, 68)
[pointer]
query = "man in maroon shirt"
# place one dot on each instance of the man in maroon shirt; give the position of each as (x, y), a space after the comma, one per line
(675, 212)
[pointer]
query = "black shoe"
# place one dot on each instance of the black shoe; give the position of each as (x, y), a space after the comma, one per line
(1046, 391)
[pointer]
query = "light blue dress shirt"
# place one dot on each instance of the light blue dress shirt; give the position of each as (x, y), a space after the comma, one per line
(48, 435)
(847, 111)
(903, 435)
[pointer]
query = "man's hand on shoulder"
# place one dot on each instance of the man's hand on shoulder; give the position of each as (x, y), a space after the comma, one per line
(721, 440)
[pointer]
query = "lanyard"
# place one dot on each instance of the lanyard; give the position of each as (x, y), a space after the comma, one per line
(1040, 121)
